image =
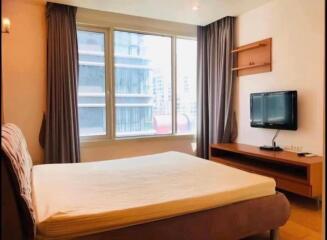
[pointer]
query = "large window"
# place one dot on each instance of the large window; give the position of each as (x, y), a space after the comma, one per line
(142, 84)
(152, 85)
(186, 85)
(91, 90)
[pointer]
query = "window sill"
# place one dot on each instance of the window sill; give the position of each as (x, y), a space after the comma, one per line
(103, 140)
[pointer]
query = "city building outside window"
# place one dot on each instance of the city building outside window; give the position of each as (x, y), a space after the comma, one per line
(148, 99)
(91, 89)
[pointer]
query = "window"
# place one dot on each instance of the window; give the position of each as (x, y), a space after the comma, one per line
(91, 90)
(142, 84)
(186, 85)
(152, 86)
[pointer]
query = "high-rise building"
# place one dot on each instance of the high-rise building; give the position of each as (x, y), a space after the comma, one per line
(133, 85)
(142, 86)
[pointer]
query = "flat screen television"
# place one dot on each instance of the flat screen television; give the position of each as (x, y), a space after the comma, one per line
(275, 110)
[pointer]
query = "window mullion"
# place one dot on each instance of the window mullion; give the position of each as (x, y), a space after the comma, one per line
(110, 89)
(174, 85)
(107, 87)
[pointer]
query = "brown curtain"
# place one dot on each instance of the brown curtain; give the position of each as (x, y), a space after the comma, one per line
(215, 80)
(61, 136)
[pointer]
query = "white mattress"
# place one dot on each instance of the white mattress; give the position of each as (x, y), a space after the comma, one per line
(82, 198)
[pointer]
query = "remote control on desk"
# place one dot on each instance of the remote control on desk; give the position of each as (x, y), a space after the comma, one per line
(305, 154)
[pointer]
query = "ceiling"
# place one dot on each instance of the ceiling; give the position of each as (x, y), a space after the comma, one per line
(204, 12)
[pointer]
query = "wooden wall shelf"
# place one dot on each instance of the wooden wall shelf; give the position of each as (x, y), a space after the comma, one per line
(250, 66)
(253, 58)
(244, 48)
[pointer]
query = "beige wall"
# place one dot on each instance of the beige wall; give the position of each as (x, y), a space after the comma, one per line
(24, 77)
(297, 31)
(24, 69)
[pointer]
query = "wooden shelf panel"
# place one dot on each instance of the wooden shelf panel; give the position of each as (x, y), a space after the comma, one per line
(263, 169)
(291, 186)
(285, 182)
(250, 66)
(283, 156)
(248, 47)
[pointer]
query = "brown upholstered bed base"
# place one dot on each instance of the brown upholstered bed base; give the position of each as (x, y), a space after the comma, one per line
(229, 222)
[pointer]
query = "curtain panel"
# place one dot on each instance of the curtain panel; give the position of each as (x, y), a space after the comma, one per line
(61, 137)
(215, 81)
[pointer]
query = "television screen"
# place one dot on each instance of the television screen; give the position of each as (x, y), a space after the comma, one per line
(277, 110)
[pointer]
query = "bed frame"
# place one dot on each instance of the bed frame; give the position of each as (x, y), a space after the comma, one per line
(230, 222)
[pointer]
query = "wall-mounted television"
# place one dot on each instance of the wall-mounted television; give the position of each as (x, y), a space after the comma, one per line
(275, 110)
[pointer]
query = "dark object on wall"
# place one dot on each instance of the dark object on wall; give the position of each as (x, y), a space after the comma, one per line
(62, 142)
(274, 110)
(215, 80)
(42, 132)
(234, 128)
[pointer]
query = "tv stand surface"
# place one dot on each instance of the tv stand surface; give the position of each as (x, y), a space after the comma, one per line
(300, 175)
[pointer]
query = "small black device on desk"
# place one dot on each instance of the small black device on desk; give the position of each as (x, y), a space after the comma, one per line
(305, 154)
(273, 146)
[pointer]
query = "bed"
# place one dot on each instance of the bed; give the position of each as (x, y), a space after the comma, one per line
(163, 196)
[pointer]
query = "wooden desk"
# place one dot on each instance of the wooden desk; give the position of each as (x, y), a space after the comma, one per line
(301, 175)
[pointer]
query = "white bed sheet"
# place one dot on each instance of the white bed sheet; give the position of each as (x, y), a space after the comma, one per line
(83, 198)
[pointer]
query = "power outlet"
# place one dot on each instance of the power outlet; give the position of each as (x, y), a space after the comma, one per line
(293, 148)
